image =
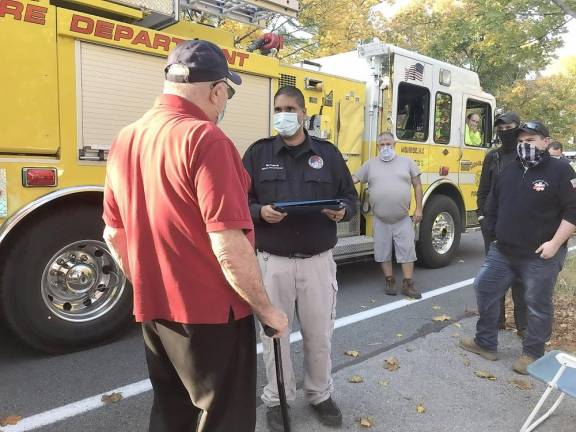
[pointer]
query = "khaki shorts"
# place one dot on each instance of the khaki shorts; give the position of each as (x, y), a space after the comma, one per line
(399, 236)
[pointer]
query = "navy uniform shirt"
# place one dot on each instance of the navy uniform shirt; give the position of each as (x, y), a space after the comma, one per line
(313, 170)
(528, 206)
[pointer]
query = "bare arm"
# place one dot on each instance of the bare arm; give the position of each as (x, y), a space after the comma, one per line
(238, 262)
(418, 194)
(550, 248)
(115, 238)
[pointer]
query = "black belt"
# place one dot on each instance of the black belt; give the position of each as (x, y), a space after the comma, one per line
(299, 255)
(296, 255)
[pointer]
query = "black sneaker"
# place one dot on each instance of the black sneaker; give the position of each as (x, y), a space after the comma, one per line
(328, 412)
(274, 418)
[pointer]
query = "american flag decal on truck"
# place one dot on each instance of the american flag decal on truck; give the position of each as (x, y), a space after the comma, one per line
(415, 72)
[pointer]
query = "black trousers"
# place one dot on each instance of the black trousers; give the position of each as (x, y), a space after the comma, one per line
(520, 309)
(203, 376)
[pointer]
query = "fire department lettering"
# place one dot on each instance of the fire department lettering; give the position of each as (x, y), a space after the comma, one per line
(30, 13)
(118, 32)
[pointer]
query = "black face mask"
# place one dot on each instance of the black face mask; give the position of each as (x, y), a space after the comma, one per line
(509, 139)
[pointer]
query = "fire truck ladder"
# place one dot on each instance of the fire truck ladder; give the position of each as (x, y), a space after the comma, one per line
(162, 13)
(254, 12)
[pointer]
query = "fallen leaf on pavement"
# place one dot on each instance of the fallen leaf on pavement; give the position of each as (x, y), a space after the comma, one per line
(398, 334)
(456, 335)
(470, 312)
(420, 409)
(458, 325)
(436, 307)
(111, 398)
(366, 422)
(466, 363)
(484, 374)
(441, 318)
(372, 301)
(355, 379)
(10, 420)
(383, 383)
(392, 364)
(363, 307)
(522, 384)
(352, 353)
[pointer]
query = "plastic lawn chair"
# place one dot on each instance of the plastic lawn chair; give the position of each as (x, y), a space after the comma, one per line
(558, 371)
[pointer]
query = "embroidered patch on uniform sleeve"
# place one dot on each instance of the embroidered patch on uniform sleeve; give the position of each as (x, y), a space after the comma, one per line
(573, 181)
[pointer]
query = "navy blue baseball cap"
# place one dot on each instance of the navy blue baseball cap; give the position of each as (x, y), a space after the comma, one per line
(507, 118)
(534, 127)
(198, 61)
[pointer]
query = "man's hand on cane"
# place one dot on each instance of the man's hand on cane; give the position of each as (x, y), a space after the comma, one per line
(276, 319)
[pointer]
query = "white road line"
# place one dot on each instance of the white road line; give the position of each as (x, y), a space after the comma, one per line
(134, 389)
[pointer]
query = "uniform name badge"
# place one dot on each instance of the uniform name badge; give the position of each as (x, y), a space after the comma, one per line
(316, 162)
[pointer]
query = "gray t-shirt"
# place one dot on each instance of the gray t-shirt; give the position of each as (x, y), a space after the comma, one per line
(389, 184)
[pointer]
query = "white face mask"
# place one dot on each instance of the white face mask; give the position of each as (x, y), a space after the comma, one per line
(387, 153)
(286, 124)
(221, 115)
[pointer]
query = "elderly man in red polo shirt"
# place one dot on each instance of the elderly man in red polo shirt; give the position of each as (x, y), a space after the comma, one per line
(178, 222)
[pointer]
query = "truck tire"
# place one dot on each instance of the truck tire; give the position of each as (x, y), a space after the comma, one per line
(61, 289)
(440, 231)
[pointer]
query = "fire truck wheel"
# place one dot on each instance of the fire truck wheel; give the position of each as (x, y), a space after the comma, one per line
(62, 290)
(440, 231)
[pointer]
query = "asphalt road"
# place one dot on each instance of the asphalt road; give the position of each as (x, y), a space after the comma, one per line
(31, 383)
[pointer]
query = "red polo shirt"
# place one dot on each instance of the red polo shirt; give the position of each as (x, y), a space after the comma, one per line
(173, 177)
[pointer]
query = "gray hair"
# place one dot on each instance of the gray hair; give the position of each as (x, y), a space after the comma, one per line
(191, 91)
(385, 135)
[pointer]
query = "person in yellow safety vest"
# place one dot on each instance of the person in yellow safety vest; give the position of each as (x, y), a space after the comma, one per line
(472, 136)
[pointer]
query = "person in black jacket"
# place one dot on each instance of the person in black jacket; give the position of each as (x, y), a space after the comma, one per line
(496, 160)
(295, 248)
(532, 214)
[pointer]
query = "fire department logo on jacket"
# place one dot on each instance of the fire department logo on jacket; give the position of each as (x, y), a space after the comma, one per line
(539, 185)
(316, 162)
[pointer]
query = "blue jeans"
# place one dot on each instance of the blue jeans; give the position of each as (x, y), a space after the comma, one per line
(539, 278)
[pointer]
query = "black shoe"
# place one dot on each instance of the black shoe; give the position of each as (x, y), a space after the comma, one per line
(274, 418)
(328, 413)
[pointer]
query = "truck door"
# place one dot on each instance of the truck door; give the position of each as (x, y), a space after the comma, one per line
(476, 137)
(411, 112)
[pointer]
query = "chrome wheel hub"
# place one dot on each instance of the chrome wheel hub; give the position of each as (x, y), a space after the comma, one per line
(82, 282)
(443, 233)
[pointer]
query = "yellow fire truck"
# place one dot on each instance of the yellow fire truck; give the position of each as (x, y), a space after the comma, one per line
(74, 72)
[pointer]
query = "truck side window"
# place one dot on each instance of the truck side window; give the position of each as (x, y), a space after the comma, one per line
(442, 118)
(412, 112)
(478, 124)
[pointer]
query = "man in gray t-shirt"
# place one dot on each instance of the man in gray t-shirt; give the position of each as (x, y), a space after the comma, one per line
(389, 179)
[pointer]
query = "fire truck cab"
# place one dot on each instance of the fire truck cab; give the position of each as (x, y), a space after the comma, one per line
(76, 71)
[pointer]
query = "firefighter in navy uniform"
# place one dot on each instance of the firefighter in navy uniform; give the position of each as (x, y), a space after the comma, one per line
(506, 125)
(295, 251)
(531, 214)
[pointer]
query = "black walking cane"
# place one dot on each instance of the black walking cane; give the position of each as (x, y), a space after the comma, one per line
(269, 331)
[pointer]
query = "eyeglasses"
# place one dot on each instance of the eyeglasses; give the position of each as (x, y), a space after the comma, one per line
(231, 90)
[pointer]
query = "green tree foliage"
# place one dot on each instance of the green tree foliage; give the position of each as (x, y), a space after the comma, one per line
(323, 27)
(550, 99)
(501, 40)
(567, 6)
